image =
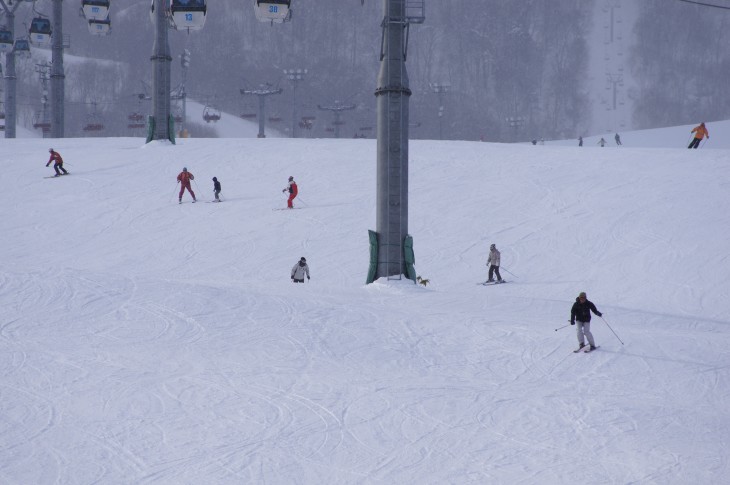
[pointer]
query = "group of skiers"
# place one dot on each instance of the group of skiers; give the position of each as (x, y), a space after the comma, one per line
(184, 178)
(700, 132)
(580, 313)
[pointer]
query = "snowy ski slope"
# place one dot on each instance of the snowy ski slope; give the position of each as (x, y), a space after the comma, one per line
(142, 341)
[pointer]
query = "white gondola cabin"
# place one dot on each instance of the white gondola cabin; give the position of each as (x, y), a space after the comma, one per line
(188, 14)
(40, 31)
(95, 9)
(6, 40)
(100, 27)
(272, 10)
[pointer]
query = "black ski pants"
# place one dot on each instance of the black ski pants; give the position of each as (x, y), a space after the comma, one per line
(56, 167)
(492, 270)
(695, 143)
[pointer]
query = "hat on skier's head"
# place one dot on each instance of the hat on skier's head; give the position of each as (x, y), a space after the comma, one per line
(215, 179)
(185, 169)
(582, 294)
(303, 259)
(492, 247)
(291, 178)
(50, 150)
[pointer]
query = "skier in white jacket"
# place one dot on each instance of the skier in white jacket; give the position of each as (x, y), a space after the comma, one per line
(493, 263)
(299, 270)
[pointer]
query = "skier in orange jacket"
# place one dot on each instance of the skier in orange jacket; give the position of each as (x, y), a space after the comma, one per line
(184, 178)
(700, 132)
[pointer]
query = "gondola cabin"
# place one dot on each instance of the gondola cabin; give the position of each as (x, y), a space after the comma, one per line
(95, 9)
(22, 46)
(40, 31)
(6, 40)
(188, 14)
(100, 27)
(272, 10)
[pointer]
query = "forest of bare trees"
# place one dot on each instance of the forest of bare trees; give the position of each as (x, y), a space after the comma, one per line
(495, 70)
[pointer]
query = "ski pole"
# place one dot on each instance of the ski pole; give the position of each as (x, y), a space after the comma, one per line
(173, 193)
(609, 326)
(568, 325)
(510, 272)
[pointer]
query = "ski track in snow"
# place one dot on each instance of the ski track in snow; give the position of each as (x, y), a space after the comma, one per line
(149, 342)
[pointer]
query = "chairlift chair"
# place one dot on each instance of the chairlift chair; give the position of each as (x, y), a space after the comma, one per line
(95, 9)
(6, 40)
(277, 11)
(40, 31)
(211, 114)
(100, 27)
(188, 14)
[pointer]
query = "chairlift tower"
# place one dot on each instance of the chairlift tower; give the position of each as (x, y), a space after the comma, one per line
(161, 122)
(262, 94)
(338, 108)
(440, 89)
(391, 247)
(295, 76)
(11, 113)
(58, 77)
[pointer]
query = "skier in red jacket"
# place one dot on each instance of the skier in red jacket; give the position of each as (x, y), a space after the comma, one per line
(293, 191)
(57, 162)
(184, 178)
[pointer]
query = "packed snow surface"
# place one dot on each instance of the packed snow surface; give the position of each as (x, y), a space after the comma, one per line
(143, 341)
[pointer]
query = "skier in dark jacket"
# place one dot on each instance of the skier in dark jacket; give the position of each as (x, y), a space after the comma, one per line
(216, 188)
(581, 312)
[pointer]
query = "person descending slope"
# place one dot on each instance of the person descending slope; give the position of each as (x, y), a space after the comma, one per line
(493, 263)
(581, 312)
(216, 189)
(57, 162)
(299, 270)
(184, 178)
(700, 132)
(293, 191)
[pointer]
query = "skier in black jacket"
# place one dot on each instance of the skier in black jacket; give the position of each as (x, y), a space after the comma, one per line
(581, 312)
(216, 188)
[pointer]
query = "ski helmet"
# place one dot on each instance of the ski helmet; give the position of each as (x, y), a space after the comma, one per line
(50, 150)
(215, 179)
(291, 178)
(185, 169)
(303, 260)
(492, 247)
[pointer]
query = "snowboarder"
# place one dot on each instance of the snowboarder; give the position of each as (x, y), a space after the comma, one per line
(184, 178)
(580, 141)
(602, 142)
(493, 263)
(618, 140)
(57, 162)
(216, 188)
(700, 132)
(299, 270)
(581, 312)
(293, 191)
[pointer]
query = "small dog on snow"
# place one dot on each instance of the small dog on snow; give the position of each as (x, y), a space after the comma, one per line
(423, 281)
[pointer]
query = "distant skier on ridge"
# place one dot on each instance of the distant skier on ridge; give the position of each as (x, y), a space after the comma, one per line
(184, 178)
(57, 162)
(216, 189)
(700, 132)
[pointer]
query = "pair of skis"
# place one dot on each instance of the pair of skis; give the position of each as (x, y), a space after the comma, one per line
(492, 283)
(587, 350)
